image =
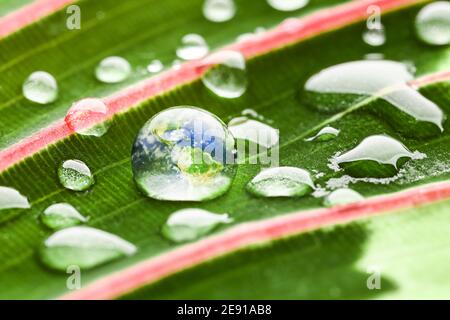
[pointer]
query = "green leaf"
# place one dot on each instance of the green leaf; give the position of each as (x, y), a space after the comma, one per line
(276, 80)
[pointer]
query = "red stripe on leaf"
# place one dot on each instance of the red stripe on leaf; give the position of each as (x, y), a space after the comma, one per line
(29, 14)
(247, 234)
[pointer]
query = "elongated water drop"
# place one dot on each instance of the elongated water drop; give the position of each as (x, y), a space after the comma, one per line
(184, 154)
(341, 197)
(433, 23)
(12, 199)
(227, 76)
(113, 70)
(75, 175)
(281, 182)
(350, 84)
(191, 224)
(40, 87)
(85, 117)
(62, 215)
(155, 66)
(377, 156)
(219, 10)
(254, 131)
(193, 47)
(287, 5)
(325, 134)
(84, 247)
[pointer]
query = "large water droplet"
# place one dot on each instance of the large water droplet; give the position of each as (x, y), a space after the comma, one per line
(325, 134)
(113, 70)
(219, 10)
(12, 199)
(61, 215)
(281, 182)
(287, 5)
(40, 87)
(191, 224)
(84, 247)
(84, 117)
(254, 131)
(184, 154)
(433, 23)
(377, 156)
(193, 47)
(375, 36)
(227, 76)
(75, 175)
(341, 197)
(349, 84)
(155, 66)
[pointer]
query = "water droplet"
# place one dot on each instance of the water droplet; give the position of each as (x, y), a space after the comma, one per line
(374, 56)
(254, 131)
(287, 5)
(113, 70)
(191, 224)
(375, 36)
(341, 197)
(325, 134)
(282, 182)
(61, 215)
(176, 64)
(361, 82)
(377, 156)
(84, 247)
(75, 175)
(155, 66)
(193, 47)
(184, 154)
(219, 10)
(12, 199)
(40, 87)
(85, 117)
(227, 76)
(433, 23)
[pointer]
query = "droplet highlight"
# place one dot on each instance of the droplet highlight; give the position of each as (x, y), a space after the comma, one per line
(10, 198)
(254, 131)
(227, 75)
(155, 66)
(113, 70)
(40, 87)
(287, 5)
(62, 215)
(84, 247)
(87, 117)
(184, 154)
(193, 47)
(325, 134)
(281, 182)
(75, 175)
(341, 197)
(219, 10)
(433, 23)
(191, 224)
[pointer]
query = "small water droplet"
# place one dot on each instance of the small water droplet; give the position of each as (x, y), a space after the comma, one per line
(374, 56)
(84, 247)
(375, 36)
(184, 154)
(155, 66)
(346, 85)
(191, 224)
(75, 175)
(341, 197)
(287, 5)
(12, 199)
(87, 117)
(113, 70)
(433, 23)
(61, 215)
(227, 76)
(376, 156)
(40, 87)
(281, 182)
(254, 131)
(193, 47)
(325, 134)
(219, 10)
